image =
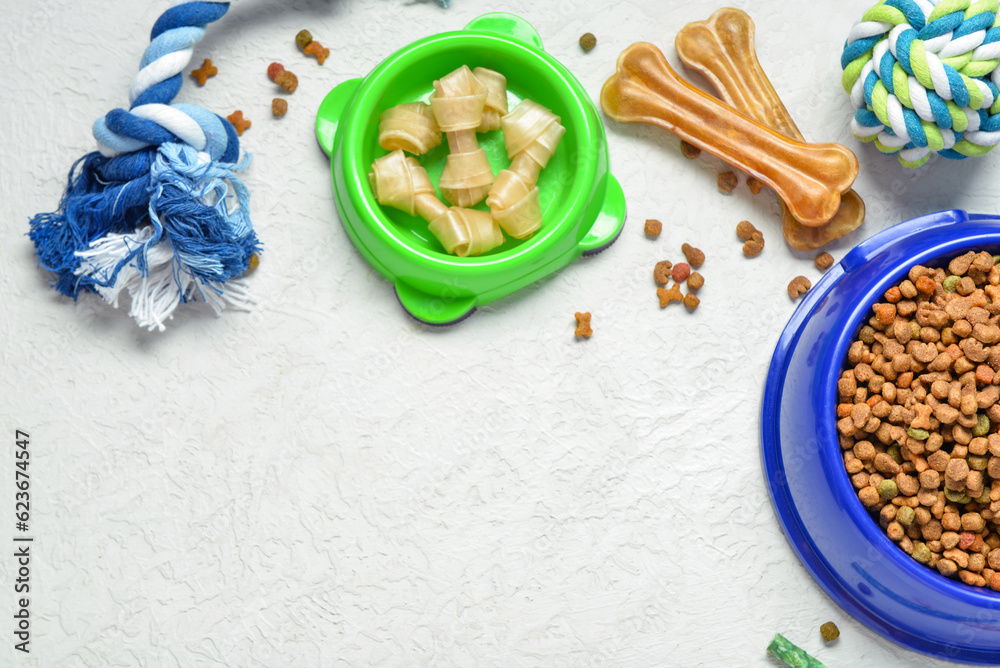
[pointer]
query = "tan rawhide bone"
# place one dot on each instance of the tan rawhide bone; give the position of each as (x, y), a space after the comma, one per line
(808, 177)
(721, 49)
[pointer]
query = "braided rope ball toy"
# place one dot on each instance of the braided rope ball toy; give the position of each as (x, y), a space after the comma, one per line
(923, 78)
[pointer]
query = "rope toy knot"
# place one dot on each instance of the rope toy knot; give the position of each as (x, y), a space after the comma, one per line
(156, 211)
(923, 78)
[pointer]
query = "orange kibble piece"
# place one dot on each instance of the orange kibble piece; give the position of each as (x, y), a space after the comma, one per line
(314, 48)
(893, 295)
(206, 70)
(984, 374)
(240, 123)
(885, 313)
(653, 228)
(583, 328)
(925, 285)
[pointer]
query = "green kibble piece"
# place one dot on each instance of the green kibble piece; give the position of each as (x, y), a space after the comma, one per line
(957, 497)
(984, 498)
(894, 452)
(978, 462)
(303, 38)
(829, 631)
(588, 41)
(919, 434)
(905, 515)
(950, 283)
(887, 489)
(996, 259)
(982, 426)
(867, 335)
(921, 552)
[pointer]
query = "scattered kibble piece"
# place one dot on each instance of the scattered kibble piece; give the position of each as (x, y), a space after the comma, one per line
(829, 630)
(689, 151)
(279, 106)
(695, 281)
(691, 301)
(254, 262)
(754, 246)
(287, 80)
(588, 41)
(661, 272)
(303, 38)
(745, 230)
(728, 181)
(240, 123)
(316, 49)
(671, 295)
(791, 654)
(754, 184)
(680, 272)
(653, 228)
(583, 325)
(274, 69)
(695, 256)
(206, 70)
(823, 261)
(798, 287)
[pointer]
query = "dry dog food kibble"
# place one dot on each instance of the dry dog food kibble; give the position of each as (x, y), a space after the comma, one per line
(680, 272)
(695, 256)
(287, 80)
(240, 123)
(689, 151)
(583, 325)
(752, 237)
(754, 184)
(588, 41)
(661, 272)
(695, 281)
(798, 287)
(691, 301)
(829, 631)
(727, 182)
(317, 50)
(279, 106)
(823, 261)
(671, 295)
(206, 70)
(919, 417)
(653, 228)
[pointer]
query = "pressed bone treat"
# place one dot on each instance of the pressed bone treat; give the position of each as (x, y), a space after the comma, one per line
(918, 414)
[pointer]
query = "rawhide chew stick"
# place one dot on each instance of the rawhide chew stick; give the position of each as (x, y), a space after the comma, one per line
(496, 98)
(531, 133)
(458, 101)
(808, 177)
(401, 182)
(410, 127)
(721, 49)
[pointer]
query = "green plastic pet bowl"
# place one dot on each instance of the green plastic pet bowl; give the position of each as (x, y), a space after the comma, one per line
(583, 208)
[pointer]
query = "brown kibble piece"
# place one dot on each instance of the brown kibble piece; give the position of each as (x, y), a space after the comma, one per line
(583, 325)
(279, 106)
(745, 230)
(829, 631)
(691, 301)
(695, 256)
(754, 184)
(316, 49)
(823, 261)
(206, 70)
(754, 246)
(287, 80)
(689, 151)
(240, 123)
(587, 41)
(798, 286)
(728, 181)
(695, 281)
(661, 272)
(653, 228)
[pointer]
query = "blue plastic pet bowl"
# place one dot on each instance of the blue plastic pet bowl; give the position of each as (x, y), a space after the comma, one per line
(836, 539)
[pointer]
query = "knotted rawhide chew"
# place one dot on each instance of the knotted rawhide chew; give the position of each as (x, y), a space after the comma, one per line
(923, 78)
(531, 133)
(410, 127)
(458, 101)
(401, 182)
(157, 210)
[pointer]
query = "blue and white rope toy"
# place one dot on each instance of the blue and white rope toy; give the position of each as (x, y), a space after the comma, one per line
(151, 212)
(923, 78)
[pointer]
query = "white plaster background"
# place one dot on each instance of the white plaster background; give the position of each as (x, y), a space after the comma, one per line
(325, 482)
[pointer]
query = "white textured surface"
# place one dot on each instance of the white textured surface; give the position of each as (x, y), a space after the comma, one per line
(324, 482)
